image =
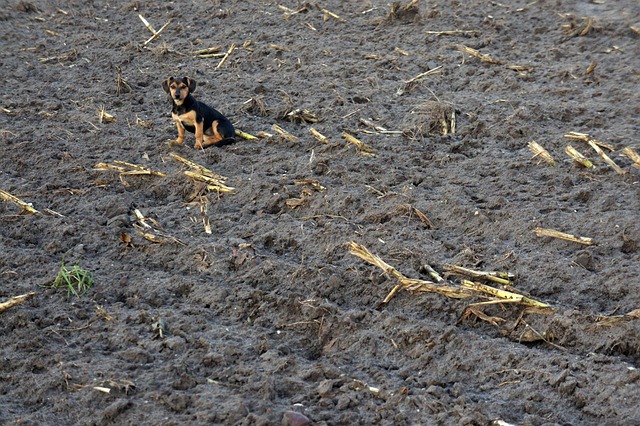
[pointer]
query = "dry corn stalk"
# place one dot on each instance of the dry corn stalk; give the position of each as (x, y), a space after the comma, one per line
(207, 51)
(545, 232)
(313, 183)
(632, 155)
(578, 157)
(505, 295)
(605, 157)
(200, 169)
(585, 138)
(468, 288)
(18, 202)
(213, 183)
(128, 169)
(104, 117)
(148, 229)
(497, 277)
(362, 147)
(226, 56)
(475, 53)
(436, 70)
(451, 32)
(322, 138)
(329, 13)
(414, 211)
(284, 134)
(609, 320)
(539, 151)
(15, 300)
(244, 135)
(407, 283)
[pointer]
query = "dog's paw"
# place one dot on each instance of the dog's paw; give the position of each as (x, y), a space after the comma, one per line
(174, 142)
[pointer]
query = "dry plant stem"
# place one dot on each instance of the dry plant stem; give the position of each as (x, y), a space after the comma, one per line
(585, 138)
(489, 276)
(539, 151)
(319, 136)
(286, 135)
(436, 70)
(201, 169)
(15, 300)
(578, 157)
(244, 135)
(18, 202)
(606, 158)
(207, 51)
(482, 57)
(224, 58)
(358, 143)
(421, 216)
(329, 13)
(591, 68)
(407, 283)
(632, 155)
(212, 183)
(502, 294)
(154, 36)
(452, 32)
(140, 169)
(127, 169)
(373, 125)
(435, 275)
(544, 232)
(147, 24)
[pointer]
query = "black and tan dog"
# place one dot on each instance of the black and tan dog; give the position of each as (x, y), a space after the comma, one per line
(211, 127)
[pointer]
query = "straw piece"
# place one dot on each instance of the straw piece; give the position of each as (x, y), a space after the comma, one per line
(477, 54)
(539, 151)
(578, 157)
(605, 157)
(497, 277)
(545, 232)
(15, 300)
(244, 135)
(631, 154)
(284, 134)
(503, 294)
(319, 136)
(362, 147)
(18, 202)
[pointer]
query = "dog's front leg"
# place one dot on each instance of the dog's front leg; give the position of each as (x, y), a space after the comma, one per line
(180, 132)
(199, 135)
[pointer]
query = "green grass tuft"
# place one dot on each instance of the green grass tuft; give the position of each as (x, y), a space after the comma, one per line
(75, 279)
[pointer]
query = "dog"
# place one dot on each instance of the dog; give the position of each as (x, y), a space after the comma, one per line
(210, 126)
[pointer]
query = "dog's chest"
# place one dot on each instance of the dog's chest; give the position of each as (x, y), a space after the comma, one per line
(187, 119)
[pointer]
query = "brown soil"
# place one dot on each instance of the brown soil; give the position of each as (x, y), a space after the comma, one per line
(270, 313)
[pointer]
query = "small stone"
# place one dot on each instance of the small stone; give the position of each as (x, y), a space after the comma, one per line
(324, 388)
(293, 418)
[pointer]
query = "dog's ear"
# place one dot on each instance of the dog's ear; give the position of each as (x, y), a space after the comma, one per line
(165, 84)
(191, 84)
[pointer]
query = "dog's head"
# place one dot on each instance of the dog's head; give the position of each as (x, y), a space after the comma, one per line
(179, 88)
